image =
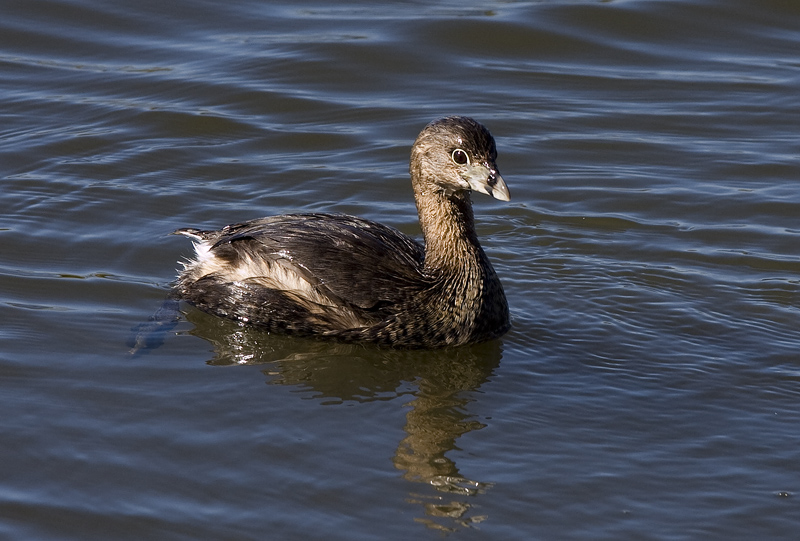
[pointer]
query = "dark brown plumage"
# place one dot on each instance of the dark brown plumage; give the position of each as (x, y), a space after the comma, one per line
(340, 276)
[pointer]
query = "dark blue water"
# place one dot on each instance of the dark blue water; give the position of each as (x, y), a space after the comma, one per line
(650, 385)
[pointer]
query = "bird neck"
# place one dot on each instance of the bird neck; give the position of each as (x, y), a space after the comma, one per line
(448, 227)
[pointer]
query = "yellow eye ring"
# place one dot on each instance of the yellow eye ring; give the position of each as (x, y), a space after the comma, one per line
(460, 157)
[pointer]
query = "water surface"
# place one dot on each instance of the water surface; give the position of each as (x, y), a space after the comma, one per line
(648, 389)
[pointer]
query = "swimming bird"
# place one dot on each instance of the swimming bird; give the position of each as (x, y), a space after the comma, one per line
(343, 277)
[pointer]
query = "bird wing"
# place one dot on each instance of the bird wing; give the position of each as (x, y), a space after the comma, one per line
(349, 259)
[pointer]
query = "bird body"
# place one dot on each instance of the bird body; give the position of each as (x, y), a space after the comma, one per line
(344, 277)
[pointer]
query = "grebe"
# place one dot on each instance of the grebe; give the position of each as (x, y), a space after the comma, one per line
(343, 277)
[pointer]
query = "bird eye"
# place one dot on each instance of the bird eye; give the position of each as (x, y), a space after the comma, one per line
(460, 157)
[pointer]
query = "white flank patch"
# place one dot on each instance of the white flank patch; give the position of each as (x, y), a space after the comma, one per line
(275, 274)
(278, 273)
(203, 250)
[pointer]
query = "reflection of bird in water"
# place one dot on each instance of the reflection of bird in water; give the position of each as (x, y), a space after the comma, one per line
(441, 381)
(356, 280)
(436, 419)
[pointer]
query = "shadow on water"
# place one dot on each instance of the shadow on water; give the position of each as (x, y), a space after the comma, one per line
(150, 335)
(440, 381)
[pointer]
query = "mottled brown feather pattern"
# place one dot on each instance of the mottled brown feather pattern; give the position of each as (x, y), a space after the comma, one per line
(344, 277)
